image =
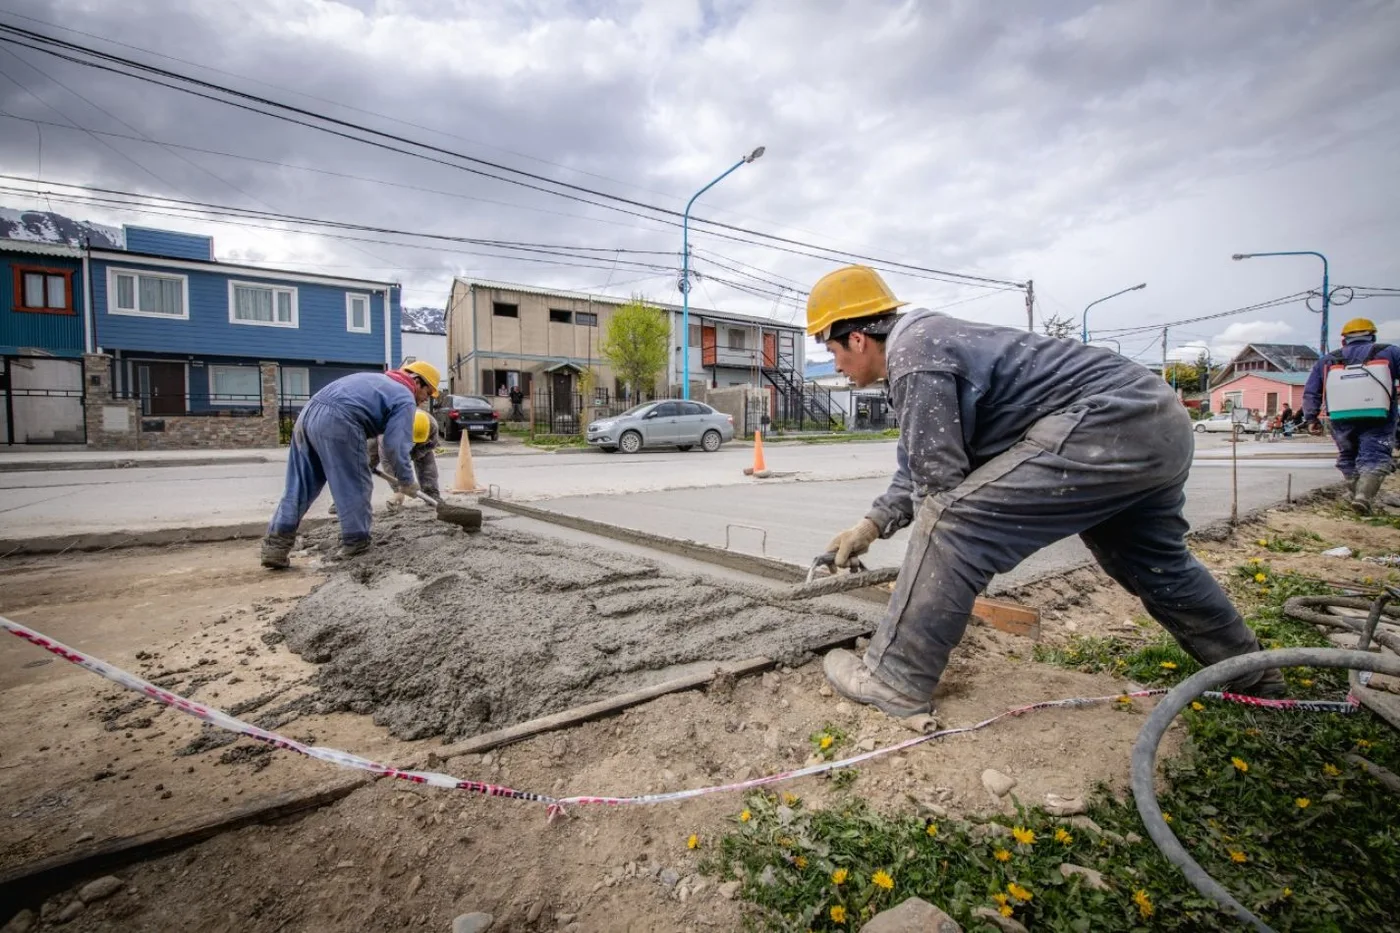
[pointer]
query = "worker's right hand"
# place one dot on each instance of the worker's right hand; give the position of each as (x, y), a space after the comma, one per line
(409, 489)
(854, 541)
(1313, 426)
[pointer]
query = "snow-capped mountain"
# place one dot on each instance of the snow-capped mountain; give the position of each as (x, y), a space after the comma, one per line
(48, 227)
(424, 321)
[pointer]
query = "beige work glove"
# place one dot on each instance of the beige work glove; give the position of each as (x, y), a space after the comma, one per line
(853, 542)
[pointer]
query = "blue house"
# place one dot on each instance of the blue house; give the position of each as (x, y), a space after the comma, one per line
(42, 315)
(196, 351)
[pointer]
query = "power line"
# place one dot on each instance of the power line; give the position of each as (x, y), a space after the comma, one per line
(1271, 303)
(150, 73)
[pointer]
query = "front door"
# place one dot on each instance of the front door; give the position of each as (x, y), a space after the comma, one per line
(661, 424)
(1271, 404)
(562, 402)
(162, 388)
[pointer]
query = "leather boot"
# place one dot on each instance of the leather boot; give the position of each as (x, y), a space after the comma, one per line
(276, 551)
(849, 677)
(1367, 485)
(1270, 685)
(1351, 486)
(350, 549)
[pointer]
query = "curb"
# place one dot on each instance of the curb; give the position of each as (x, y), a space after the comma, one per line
(158, 537)
(123, 463)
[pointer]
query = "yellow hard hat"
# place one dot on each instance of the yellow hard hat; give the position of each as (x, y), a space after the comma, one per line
(422, 426)
(425, 371)
(1358, 325)
(849, 292)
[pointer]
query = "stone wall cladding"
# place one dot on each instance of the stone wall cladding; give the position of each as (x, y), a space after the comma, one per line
(105, 416)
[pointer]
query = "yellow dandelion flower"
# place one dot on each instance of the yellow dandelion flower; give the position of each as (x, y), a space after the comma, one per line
(1168, 665)
(800, 861)
(785, 842)
(825, 742)
(1240, 764)
(1166, 817)
(933, 829)
(1018, 892)
(882, 879)
(838, 914)
(1062, 836)
(1331, 770)
(1287, 892)
(1306, 682)
(1363, 743)
(1262, 542)
(1143, 902)
(1000, 899)
(693, 842)
(745, 816)
(790, 799)
(1302, 802)
(1001, 855)
(1197, 705)
(1238, 856)
(1125, 700)
(1024, 836)
(839, 876)
(1260, 577)
(1005, 910)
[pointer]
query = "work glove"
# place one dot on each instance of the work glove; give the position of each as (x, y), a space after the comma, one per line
(853, 542)
(409, 490)
(1313, 426)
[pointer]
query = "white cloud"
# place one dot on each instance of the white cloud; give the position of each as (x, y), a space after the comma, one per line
(1233, 338)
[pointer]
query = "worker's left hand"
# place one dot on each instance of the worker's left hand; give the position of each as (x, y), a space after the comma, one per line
(410, 490)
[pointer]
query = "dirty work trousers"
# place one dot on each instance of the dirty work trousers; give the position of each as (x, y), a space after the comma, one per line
(1364, 446)
(424, 462)
(327, 447)
(1111, 469)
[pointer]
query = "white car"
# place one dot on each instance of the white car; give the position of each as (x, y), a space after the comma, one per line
(1224, 422)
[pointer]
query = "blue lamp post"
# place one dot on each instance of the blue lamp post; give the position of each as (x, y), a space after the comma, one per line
(1084, 323)
(1326, 298)
(685, 271)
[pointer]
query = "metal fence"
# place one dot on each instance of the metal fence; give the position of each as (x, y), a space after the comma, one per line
(194, 404)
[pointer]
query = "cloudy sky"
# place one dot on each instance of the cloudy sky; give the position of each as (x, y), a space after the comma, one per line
(1086, 146)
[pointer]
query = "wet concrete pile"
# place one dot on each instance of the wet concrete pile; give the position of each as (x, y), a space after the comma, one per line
(436, 632)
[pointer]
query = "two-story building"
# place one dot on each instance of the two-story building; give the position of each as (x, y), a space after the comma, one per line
(181, 350)
(1263, 377)
(43, 310)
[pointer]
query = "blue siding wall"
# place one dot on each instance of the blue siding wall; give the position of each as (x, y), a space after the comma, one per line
(169, 243)
(320, 334)
(198, 373)
(59, 334)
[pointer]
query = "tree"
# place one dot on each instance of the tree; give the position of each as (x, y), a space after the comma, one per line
(1056, 326)
(636, 344)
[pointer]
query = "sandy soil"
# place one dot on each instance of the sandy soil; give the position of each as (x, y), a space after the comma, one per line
(393, 856)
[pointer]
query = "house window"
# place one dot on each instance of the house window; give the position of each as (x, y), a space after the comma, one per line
(148, 294)
(586, 319)
(294, 386)
(1233, 400)
(45, 291)
(357, 314)
(235, 385)
(501, 309)
(560, 317)
(265, 305)
(736, 339)
(695, 335)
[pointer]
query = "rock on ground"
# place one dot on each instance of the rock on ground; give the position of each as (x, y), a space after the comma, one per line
(103, 887)
(997, 784)
(914, 915)
(1005, 924)
(1092, 878)
(472, 923)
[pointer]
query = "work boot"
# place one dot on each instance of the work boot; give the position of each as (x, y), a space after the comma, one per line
(1269, 686)
(1367, 485)
(276, 551)
(849, 677)
(350, 549)
(1351, 486)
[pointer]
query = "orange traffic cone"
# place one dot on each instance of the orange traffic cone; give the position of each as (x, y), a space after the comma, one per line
(759, 468)
(465, 480)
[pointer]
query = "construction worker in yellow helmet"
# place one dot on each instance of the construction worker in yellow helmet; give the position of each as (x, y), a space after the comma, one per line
(1011, 441)
(328, 448)
(423, 454)
(1355, 386)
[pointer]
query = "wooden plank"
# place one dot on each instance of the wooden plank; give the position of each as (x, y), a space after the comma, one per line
(30, 884)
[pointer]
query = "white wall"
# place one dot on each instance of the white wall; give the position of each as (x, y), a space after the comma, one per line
(430, 347)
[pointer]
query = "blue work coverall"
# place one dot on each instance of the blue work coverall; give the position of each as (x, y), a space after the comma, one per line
(1010, 441)
(328, 446)
(1364, 445)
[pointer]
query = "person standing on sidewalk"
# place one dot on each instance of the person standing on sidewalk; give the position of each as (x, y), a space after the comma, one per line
(1010, 441)
(1363, 428)
(517, 413)
(328, 447)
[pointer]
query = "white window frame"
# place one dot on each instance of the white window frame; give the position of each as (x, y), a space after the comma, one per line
(233, 308)
(350, 314)
(282, 372)
(114, 271)
(243, 403)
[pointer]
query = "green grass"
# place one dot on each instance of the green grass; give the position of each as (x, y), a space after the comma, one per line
(555, 441)
(1291, 543)
(1300, 836)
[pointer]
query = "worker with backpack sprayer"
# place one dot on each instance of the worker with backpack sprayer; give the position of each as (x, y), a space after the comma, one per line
(1356, 386)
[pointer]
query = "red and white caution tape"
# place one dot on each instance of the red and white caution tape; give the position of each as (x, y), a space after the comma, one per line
(556, 804)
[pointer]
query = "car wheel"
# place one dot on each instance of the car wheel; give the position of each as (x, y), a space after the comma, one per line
(1200, 429)
(711, 441)
(496, 435)
(631, 442)
(684, 447)
(454, 432)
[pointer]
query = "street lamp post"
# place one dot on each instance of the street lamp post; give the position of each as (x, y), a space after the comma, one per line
(1084, 324)
(685, 271)
(1326, 298)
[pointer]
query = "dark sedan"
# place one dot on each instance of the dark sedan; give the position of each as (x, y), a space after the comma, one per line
(471, 413)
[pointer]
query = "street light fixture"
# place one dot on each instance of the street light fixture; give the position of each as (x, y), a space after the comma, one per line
(1326, 298)
(1084, 324)
(685, 270)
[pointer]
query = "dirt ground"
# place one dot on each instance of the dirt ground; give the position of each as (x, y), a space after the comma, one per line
(77, 758)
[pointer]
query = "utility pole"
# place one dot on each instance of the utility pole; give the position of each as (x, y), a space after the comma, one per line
(1164, 354)
(1030, 305)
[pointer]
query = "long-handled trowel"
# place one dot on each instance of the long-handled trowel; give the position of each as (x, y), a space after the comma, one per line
(459, 515)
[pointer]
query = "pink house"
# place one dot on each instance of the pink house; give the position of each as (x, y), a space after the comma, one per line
(1266, 393)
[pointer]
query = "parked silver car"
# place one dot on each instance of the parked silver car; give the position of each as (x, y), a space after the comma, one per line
(1223, 422)
(663, 424)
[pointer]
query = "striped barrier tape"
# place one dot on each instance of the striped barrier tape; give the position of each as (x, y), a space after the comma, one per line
(556, 805)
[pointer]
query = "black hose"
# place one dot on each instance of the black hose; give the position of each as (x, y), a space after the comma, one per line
(1176, 700)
